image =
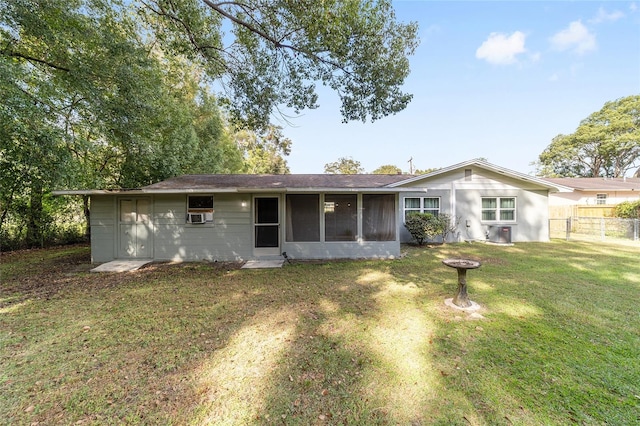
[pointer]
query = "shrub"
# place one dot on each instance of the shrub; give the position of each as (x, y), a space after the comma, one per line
(423, 227)
(448, 225)
(627, 210)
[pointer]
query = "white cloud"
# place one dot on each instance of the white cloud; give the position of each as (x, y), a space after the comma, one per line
(604, 16)
(501, 49)
(633, 7)
(576, 38)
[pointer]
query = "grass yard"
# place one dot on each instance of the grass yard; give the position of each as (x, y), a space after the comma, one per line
(345, 342)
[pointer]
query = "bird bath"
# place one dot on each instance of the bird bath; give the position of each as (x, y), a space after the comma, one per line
(461, 299)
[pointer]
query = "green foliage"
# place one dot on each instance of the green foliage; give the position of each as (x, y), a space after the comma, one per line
(424, 227)
(607, 143)
(264, 152)
(88, 104)
(448, 225)
(344, 166)
(425, 171)
(387, 169)
(627, 210)
(276, 51)
(117, 94)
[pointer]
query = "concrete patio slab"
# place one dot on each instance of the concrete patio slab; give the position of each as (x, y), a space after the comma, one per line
(121, 266)
(262, 264)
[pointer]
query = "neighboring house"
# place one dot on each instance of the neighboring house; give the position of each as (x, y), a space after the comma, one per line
(591, 196)
(240, 217)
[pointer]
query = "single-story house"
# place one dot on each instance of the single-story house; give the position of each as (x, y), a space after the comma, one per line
(241, 217)
(595, 191)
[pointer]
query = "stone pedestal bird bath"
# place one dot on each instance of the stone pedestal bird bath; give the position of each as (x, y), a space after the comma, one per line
(461, 299)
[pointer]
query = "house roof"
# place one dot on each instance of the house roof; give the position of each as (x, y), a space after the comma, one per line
(598, 184)
(311, 182)
(260, 183)
(554, 187)
(275, 182)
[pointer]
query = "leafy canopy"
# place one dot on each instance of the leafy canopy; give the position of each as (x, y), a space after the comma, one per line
(387, 169)
(607, 143)
(267, 54)
(344, 166)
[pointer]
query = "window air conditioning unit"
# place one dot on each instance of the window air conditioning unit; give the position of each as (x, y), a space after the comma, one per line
(196, 218)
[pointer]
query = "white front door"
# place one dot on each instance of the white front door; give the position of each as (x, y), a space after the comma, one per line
(134, 224)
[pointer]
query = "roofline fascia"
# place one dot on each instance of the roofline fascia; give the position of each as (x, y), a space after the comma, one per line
(96, 191)
(488, 166)
(229, 190)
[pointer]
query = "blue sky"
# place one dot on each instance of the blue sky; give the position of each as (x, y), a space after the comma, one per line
(495, 79)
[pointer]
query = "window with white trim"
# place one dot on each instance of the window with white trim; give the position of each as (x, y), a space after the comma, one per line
(200, 209)
(499, 209)
(421, 205)
(601, 199)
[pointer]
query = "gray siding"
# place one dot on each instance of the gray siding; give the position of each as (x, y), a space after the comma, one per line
(228, 238)
(532, 217)
(103, 228)
(342, 250)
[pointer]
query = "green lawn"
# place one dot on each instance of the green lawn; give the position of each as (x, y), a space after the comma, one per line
(347, 342)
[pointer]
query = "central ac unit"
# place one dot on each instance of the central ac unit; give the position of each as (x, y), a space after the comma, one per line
(196, 218)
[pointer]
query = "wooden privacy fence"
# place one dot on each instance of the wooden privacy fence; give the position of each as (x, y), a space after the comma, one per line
(563, 212)
(595, 228)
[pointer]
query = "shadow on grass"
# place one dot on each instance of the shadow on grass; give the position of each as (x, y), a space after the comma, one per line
(361, 342)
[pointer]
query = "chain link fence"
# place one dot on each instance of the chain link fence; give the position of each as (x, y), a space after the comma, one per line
(595, 229)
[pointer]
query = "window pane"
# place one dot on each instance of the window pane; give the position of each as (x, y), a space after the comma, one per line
(489, 215)
(379, 217)
(143, 210)
(303, 217)
(489, 203)
(341, 221)
(266, 210)
(412, 203)
(432, 203)
(507, 203)
(507, 215)
(267, 236)
(126, 211)
(200, 202)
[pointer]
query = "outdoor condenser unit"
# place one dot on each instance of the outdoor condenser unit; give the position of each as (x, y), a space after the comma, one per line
(504, 234)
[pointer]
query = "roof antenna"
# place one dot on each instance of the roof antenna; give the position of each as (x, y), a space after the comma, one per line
(410, 165)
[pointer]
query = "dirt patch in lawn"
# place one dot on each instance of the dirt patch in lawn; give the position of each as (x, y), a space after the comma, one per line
(68, 268)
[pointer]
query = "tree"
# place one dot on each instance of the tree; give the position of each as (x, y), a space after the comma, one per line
(86, 104)
(117, 94)
(425, 171)
(344, 166)
(264, 152)
(387, 169)
(276, 51)
(607, 143)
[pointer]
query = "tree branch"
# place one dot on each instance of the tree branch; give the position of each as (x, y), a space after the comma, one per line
(13, 54)
(276, 43)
